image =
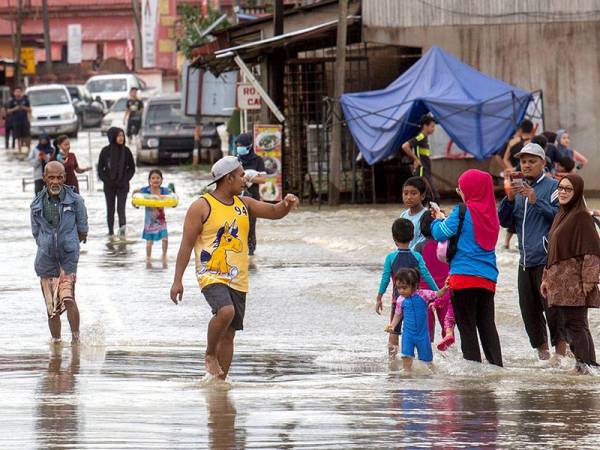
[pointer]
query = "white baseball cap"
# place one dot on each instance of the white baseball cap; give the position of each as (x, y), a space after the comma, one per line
(532, 149)
(223, 167)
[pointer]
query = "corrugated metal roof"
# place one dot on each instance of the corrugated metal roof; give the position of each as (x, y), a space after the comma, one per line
(222, 60)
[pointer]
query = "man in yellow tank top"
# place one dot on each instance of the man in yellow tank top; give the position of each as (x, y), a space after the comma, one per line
(216, 228)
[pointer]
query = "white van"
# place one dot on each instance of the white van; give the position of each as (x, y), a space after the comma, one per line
(52, 110)
(111, 88)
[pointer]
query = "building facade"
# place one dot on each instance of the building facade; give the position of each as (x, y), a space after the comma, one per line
(552, 45)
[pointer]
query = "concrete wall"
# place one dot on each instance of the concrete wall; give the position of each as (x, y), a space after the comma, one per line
(562, 59)
(418, 13)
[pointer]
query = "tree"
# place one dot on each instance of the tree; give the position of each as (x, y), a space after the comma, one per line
(18, 33)
(47, 45)
(194, 24)
(137, 15)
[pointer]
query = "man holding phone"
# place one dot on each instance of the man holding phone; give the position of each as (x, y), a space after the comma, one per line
(530, 207)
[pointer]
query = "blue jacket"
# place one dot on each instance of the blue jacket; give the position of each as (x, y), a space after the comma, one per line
(470, 258)
(58, 248)
(532, 222)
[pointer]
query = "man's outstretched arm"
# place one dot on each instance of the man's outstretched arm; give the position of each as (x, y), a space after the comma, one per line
(271, 211)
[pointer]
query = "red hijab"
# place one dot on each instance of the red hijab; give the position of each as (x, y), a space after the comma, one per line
(478, 190)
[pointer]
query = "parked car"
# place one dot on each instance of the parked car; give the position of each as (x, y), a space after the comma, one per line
(112, 87)
(167, 135)
(52, 110)
(89, 111)
(115, 117)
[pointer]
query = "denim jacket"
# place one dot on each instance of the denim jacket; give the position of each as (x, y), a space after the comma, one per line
(58, 247)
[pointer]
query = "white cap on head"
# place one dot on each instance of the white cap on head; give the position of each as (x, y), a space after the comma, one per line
(532, 149)
(223, 167)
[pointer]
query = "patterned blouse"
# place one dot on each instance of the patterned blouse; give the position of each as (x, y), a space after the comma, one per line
(565, 282)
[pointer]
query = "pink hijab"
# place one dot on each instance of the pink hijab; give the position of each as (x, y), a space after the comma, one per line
(478, 190)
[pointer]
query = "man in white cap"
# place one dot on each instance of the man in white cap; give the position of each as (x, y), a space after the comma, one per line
(530, 207)
(216, 227)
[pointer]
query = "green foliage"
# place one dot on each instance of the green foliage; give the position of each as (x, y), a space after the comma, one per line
(194, 25)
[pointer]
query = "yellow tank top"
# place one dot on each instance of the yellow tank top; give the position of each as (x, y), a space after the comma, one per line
(222, 247)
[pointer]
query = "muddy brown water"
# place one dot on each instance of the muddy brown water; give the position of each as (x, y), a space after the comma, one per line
(310, 369)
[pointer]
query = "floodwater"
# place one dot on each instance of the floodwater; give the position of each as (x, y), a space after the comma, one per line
(310, 369)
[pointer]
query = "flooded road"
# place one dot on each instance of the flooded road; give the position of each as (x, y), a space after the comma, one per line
(310, 369)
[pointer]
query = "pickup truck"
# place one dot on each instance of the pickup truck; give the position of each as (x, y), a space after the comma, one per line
(167, 135)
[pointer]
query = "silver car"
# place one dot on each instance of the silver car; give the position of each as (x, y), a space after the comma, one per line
(52, 110)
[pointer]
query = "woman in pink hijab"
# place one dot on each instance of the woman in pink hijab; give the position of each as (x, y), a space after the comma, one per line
(473, 270)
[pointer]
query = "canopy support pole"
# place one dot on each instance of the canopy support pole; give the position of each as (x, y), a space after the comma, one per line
(263, 94)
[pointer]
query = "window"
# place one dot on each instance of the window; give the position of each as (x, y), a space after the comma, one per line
(119, 106)
(107, 85)
(141, 84)
(74, 92)
(166, 113)
(48, 97)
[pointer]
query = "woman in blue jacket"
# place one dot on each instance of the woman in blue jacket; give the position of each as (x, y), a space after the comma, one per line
(473, 270)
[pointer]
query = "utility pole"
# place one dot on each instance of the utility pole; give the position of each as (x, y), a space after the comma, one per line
(47, 46)
(277, 58)
(335, 152)
(19, 25)
(137, 15)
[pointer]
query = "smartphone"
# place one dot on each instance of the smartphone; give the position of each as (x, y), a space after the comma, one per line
(434, 206)
(517, 179)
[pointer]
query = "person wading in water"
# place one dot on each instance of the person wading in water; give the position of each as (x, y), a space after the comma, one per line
(58, 224)
(216, 227)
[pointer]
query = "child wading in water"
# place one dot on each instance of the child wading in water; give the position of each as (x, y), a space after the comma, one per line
(412, 311)
(442, 307)
(155, 222)
(401, 258)
(414, 193)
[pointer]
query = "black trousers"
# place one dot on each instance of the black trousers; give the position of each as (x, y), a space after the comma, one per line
(578, 333)
(120, 194)
(534, 307)
(7, 135)
(252, 236)
(474, 313)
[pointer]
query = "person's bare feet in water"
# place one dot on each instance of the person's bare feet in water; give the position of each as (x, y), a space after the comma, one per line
(543, 352)
(212, 365)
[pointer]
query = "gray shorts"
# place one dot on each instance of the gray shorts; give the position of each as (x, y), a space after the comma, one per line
(219, 295)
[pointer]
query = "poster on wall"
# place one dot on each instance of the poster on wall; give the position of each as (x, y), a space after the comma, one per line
(149, 22)
(267, 145)
(74, 46)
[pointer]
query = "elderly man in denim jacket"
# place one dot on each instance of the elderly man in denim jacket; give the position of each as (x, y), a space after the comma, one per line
(58, 223)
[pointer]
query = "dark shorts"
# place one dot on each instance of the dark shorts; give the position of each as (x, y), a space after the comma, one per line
(424, 170)
(133, 127)
(219, 295)
(21, 129)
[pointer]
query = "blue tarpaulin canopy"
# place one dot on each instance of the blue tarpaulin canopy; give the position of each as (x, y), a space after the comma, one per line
(479, 113)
